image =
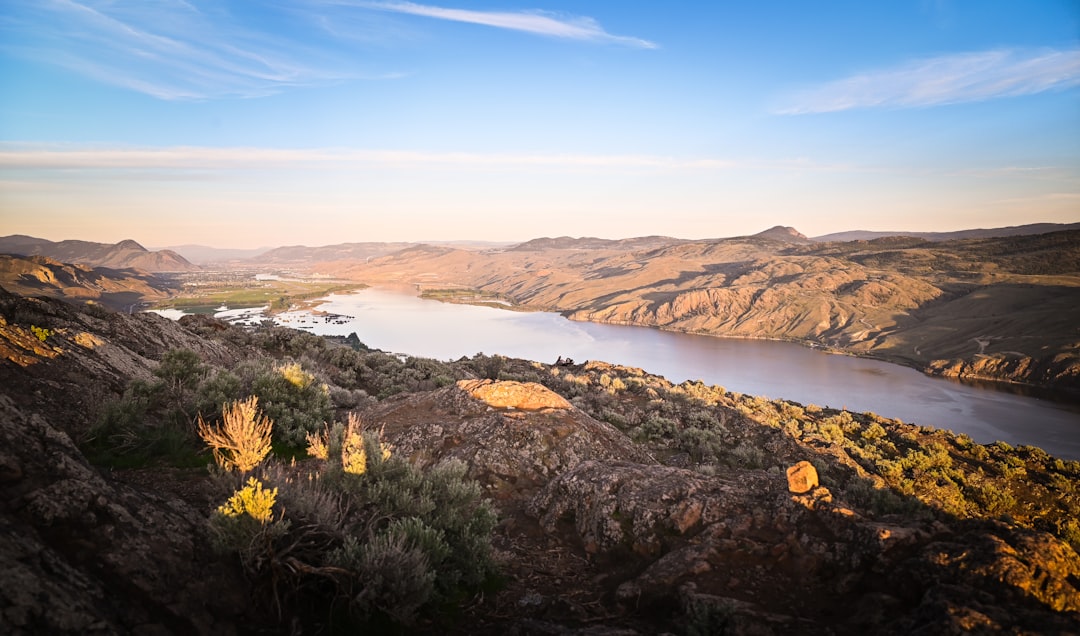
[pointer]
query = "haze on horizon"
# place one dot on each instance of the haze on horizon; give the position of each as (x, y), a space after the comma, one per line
(325, 121)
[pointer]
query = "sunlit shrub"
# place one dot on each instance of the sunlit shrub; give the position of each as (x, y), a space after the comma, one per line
(252, 500)
(295, 375)
(349, 442)
(242, 440)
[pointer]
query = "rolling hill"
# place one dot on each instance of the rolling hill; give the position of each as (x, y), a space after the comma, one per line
(43, 276)
(123, 255)
(304, 255)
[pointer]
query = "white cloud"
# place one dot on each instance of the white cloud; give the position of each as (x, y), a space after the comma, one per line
(948, 79)
(539, 23)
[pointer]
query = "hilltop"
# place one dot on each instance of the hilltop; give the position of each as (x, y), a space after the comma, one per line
(587, 498)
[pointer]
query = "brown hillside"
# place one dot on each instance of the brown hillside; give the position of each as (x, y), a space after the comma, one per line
(999, 308)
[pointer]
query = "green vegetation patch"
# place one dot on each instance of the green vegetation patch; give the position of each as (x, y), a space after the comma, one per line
(206, 297)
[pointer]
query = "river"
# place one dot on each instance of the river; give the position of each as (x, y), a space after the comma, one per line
(400, 322)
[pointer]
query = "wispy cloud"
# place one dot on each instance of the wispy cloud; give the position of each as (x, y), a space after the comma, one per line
(536, 22)
(948, 79)
(22, 157)
(171, 50)
(209, 49)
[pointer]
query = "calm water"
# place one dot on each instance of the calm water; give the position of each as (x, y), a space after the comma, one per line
(402, 323)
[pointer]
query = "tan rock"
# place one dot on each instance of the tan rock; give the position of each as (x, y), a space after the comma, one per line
(88, 340)
(802, 477)
(526, 396)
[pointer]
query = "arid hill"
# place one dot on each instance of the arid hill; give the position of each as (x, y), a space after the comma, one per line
(784, 233)
(590, 243)
(1001, 309)
(613, 501)
(303, 255)
(116, 288)
(123, 255)
(997, 232)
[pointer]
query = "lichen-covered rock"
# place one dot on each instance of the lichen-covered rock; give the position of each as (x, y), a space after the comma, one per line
(512, 451)
(762, 557)
(617, 506)
(82, 555)
(504, 394)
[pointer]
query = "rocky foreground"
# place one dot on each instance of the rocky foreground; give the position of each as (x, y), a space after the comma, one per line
(625, 504)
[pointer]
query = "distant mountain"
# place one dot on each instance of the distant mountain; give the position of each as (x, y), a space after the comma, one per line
(203, 254)
(123, 255)
(472, 245)
(43, 276)
(303, 255)
(591, 243)
(784, 233)
(1012, 230)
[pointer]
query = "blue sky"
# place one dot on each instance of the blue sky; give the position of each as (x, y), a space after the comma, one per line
(323, 121)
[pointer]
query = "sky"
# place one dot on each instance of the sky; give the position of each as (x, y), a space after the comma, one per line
(284, 122)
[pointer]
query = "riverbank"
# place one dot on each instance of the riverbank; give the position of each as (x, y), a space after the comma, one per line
(1008, 373)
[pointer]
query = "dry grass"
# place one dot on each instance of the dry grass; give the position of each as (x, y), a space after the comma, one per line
(243, 439)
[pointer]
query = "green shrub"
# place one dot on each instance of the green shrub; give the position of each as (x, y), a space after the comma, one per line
(217, 388)
(132, 431)
(387, 575)
(181, 371)
(297, 403)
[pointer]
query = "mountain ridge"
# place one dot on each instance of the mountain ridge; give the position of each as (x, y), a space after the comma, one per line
(127, 254)
(1011, 230)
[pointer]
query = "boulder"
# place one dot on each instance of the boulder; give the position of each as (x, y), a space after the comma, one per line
(802, 477)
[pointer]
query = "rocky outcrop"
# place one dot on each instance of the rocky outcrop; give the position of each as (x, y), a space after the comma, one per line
(87, 357)
(81, 555)
(740, 544)
(1062, 369)
(514, 436)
